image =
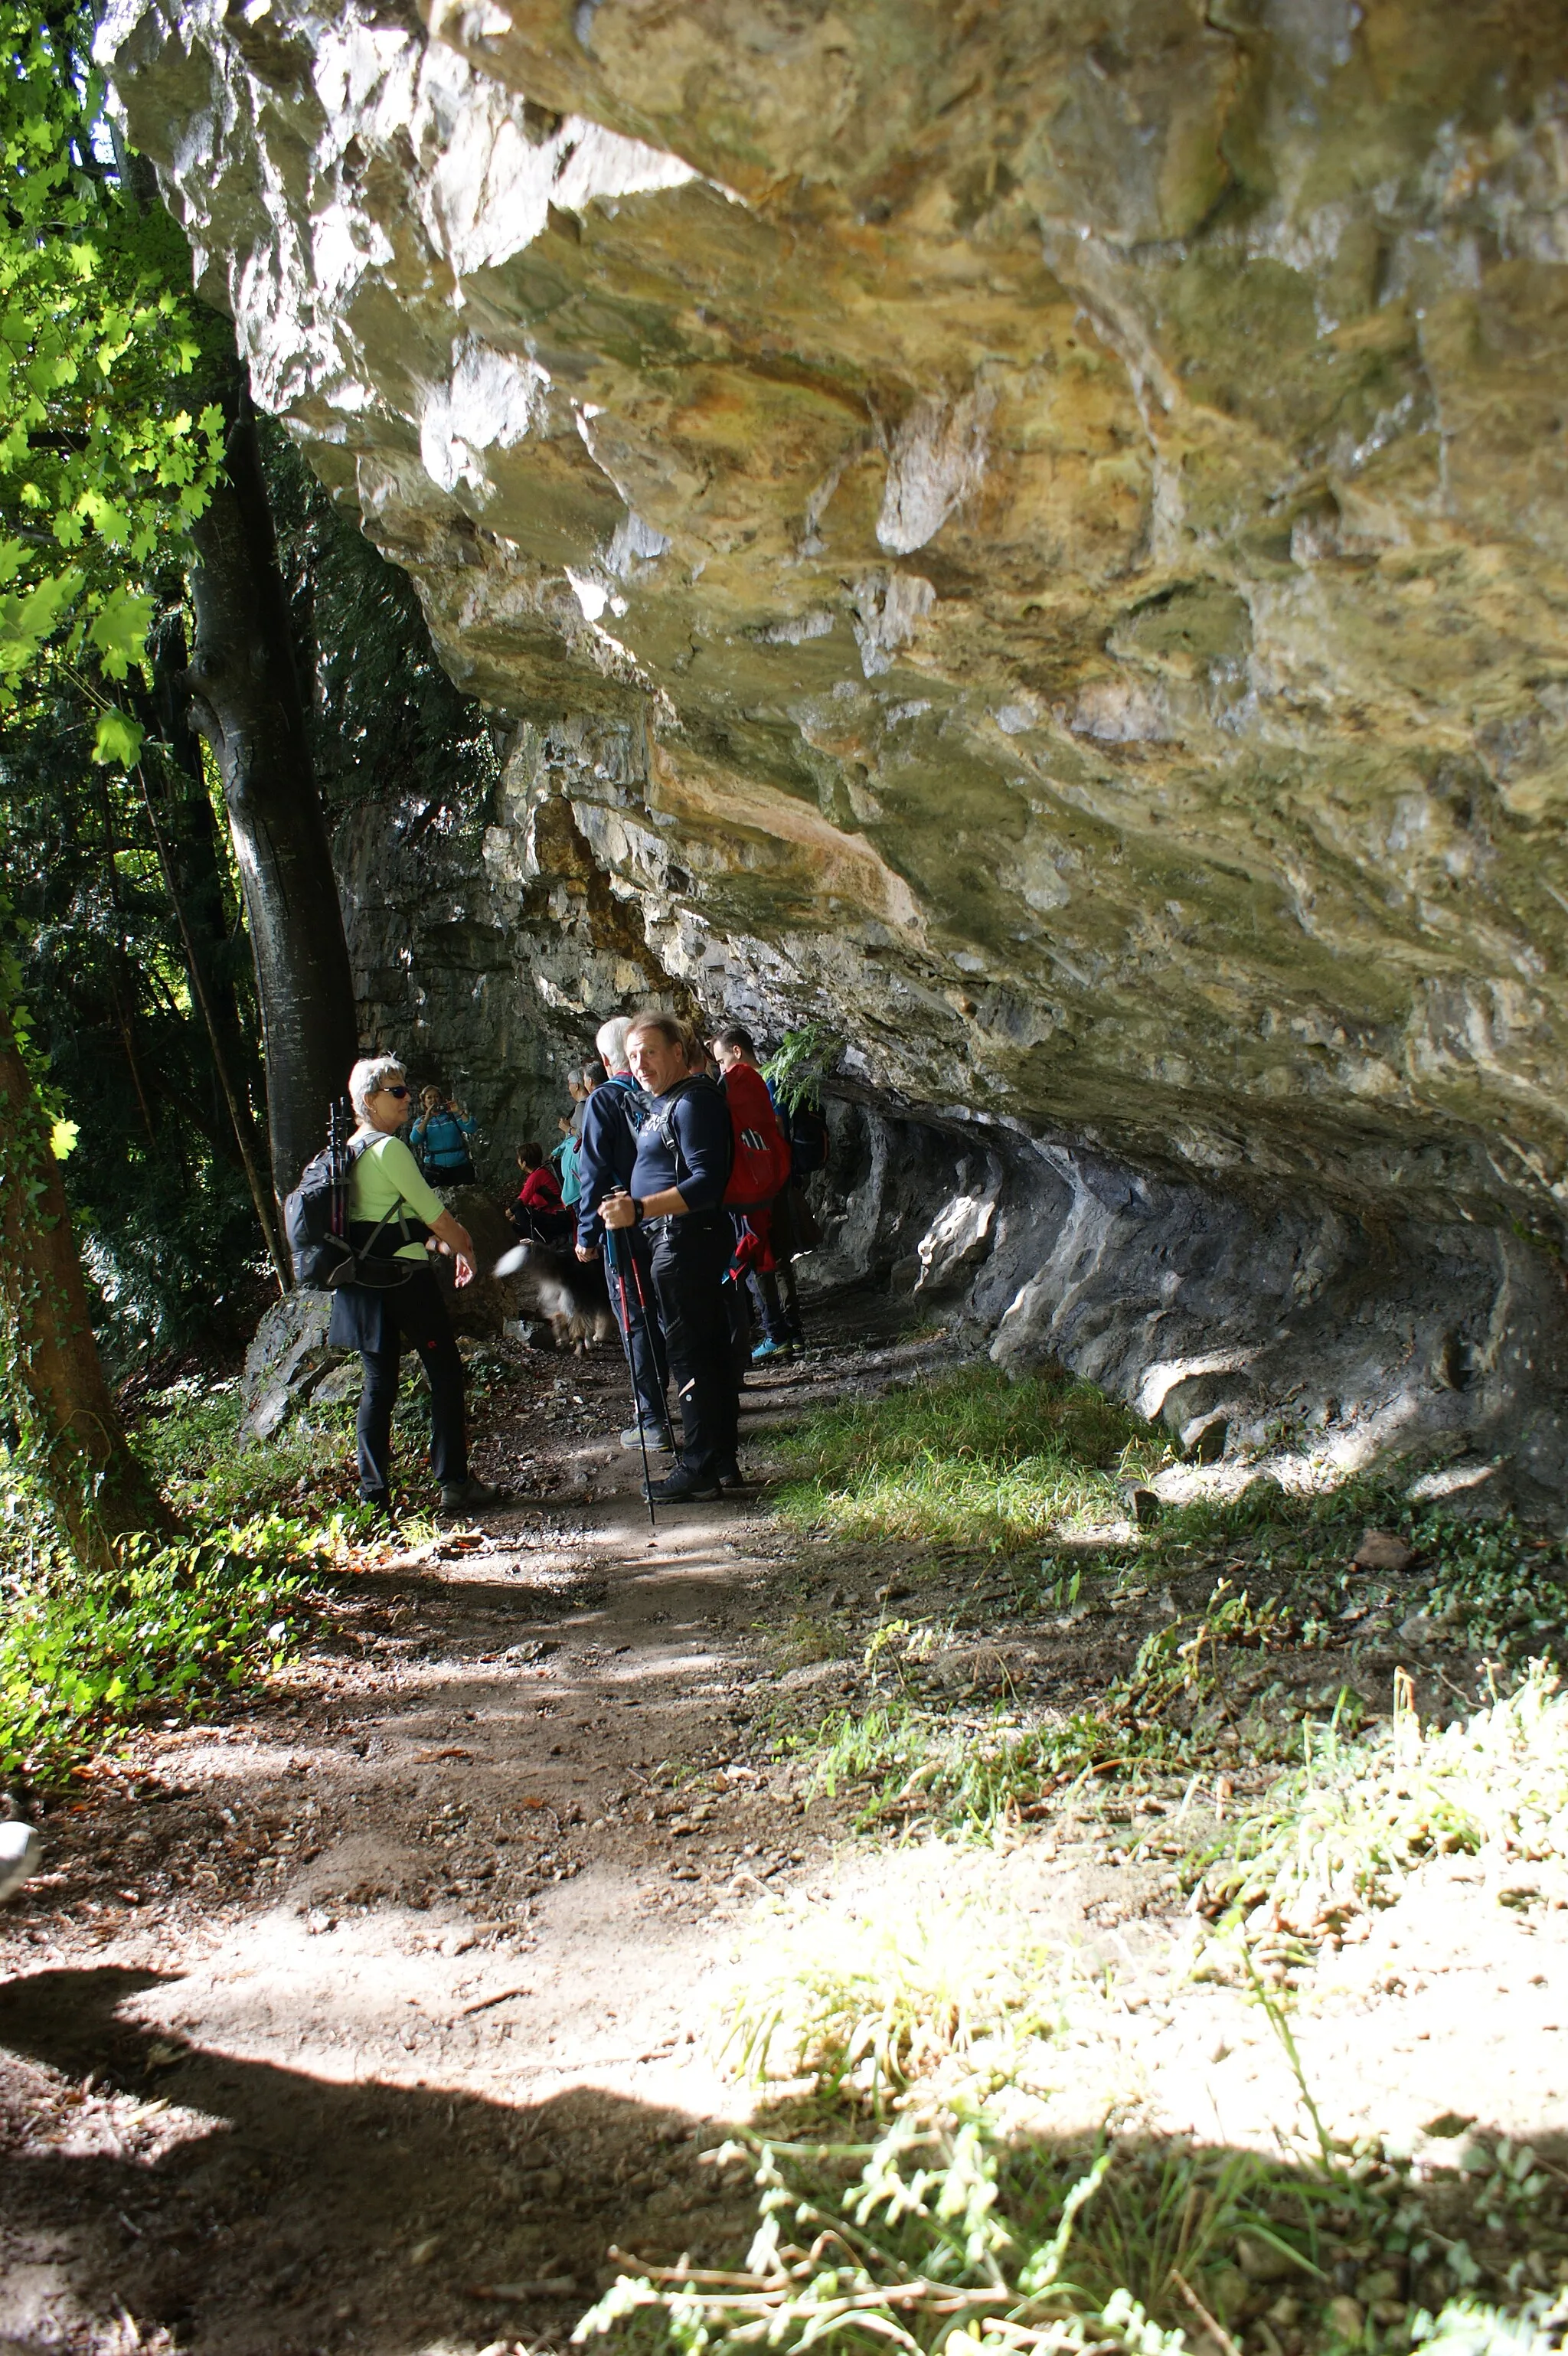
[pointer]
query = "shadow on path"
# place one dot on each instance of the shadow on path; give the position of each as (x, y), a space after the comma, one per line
(292, 2213)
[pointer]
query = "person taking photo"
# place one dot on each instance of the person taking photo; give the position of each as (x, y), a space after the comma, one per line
(441, 1139)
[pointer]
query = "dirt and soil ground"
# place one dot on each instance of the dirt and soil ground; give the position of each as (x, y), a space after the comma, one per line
(382, 2013)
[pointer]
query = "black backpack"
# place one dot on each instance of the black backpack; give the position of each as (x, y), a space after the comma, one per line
(316, 1216)
(315, 1219)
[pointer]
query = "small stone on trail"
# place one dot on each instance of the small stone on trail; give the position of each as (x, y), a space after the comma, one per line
(1261, 2263)
(1144, 1505)
(1383, 1550)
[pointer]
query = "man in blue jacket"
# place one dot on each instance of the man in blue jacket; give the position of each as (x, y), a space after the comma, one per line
(607, 1149)
(675, 1194)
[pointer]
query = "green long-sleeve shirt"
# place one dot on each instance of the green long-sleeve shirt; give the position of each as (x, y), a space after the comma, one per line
(386, 1175)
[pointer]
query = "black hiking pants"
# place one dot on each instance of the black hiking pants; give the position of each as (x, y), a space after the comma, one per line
(415, 1313)
(689, 1258)
(628, 1264)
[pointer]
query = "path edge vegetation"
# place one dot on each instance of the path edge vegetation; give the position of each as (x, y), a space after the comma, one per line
(117, 478)
(899, 2201)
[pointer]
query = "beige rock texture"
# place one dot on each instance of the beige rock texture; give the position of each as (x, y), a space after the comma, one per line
(1035, 534)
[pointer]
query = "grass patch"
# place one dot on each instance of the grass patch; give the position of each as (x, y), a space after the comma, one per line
(866, 1997)
(962, 1769)
(973, 1459)
(943, 2031)
(1343, 1832)
(189, 1437)
(176, 1625)
(1210, 1687)
(1498, 1586)
(944, 2233)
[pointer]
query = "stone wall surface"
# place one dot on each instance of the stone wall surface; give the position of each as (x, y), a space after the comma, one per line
(1036, 534)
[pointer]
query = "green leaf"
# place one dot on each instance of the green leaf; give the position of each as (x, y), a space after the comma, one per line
(62, 1139)
(119, 737)
(119, 630)
(25, 621)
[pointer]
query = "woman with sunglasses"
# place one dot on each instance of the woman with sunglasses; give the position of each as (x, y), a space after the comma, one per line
(385, 1184)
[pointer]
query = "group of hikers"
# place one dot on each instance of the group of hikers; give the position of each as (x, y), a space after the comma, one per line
(682, 1178)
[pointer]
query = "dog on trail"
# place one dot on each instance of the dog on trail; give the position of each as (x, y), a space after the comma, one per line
(569, 1293)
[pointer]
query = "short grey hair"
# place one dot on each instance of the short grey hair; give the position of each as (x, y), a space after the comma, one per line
(611, 1041)
(370, 1073)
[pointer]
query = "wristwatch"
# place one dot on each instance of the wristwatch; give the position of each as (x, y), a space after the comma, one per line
(637, 1209)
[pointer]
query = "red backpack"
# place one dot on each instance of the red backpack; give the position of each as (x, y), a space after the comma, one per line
(760, 1165)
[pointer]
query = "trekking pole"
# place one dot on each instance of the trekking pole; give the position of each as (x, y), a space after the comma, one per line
(609, 1236)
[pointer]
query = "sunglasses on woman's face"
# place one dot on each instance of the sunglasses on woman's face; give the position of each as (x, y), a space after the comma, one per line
(395, 1092)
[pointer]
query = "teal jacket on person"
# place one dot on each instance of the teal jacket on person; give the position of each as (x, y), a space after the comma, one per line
(441, 1140)
(565, 1160)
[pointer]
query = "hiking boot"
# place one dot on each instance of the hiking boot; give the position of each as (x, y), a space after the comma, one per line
(469, 1496)
(729, 1476)
(657, 1438)
(20, 1852)
(682, 1488)
(768, 1348)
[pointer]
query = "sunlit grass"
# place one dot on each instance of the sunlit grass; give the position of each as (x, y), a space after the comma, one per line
(1344, 1831)
(972, 1460)
(975, 1767)
(178, 1623)
(871, 1992)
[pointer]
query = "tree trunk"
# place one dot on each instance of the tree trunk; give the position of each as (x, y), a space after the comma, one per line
(246, 701)
(71, 1429)
(198, 876)
(187, 843)
(240, 1124)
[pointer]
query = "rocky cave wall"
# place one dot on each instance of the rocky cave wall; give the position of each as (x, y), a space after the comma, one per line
(1036, 535)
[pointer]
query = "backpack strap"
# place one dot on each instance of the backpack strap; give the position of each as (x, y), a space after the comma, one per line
(632, 1112)
(410, 1228)
(663, 1126)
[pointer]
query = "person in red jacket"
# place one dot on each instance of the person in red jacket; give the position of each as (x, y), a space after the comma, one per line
(734, 1051)
(539, 1213)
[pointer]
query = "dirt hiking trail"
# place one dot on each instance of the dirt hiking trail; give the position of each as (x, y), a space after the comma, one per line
(379, 2015)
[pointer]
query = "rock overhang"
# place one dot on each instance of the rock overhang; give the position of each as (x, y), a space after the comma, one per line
(1050, 527)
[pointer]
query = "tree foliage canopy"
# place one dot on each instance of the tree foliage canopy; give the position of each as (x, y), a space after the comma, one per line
(102, 463)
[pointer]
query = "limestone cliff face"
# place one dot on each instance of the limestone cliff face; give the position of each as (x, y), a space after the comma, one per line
(1037, 533)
